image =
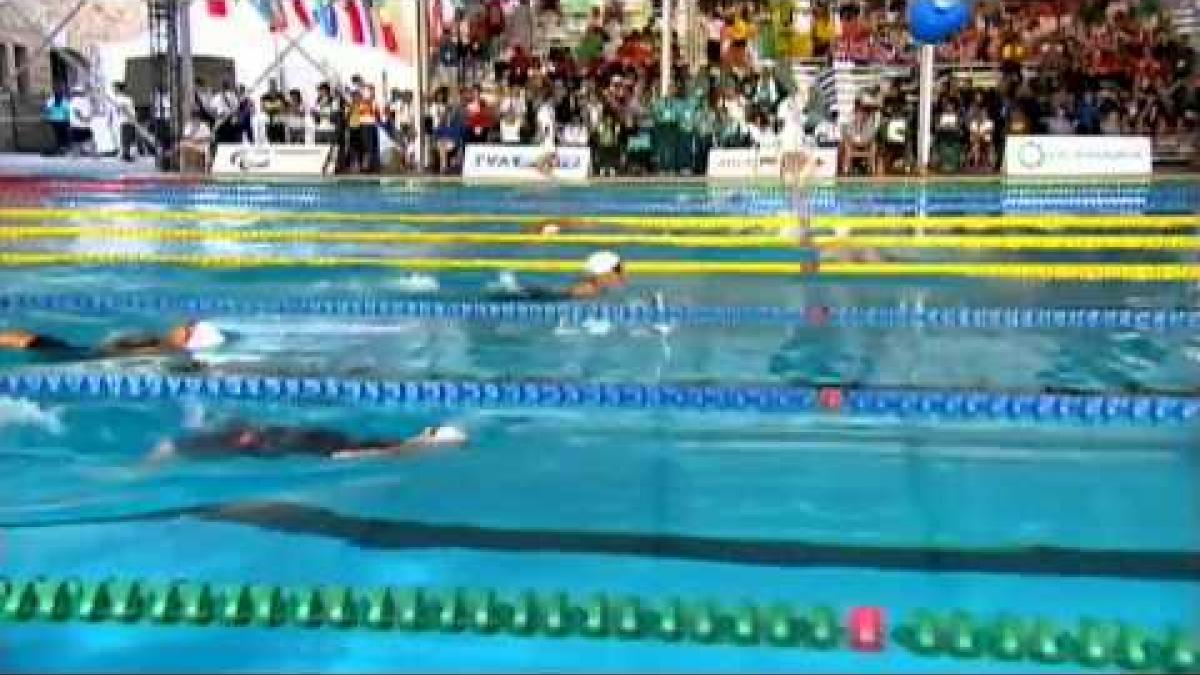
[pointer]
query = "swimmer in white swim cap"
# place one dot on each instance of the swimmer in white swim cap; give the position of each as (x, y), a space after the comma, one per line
(241, 439)
(189, 337)
(603, 271)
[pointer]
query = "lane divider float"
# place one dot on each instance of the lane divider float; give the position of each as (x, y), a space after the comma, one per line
(771, 222)
(1024, 271)
(533, 614)
(1086, 243)
(902, 316)
(1136, 410)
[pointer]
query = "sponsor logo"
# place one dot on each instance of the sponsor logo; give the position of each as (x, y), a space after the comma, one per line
(1031, 155)
(525, 160)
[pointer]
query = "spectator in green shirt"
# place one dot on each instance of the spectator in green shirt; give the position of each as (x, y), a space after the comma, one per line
(668, 136)
(591, 47)
(704, 128)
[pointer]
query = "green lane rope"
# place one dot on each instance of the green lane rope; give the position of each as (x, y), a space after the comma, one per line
(530, 613)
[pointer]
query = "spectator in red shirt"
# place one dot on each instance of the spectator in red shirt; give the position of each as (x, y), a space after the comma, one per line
(480, 118)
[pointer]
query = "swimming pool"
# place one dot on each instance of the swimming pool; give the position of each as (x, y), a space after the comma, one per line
(719, 471)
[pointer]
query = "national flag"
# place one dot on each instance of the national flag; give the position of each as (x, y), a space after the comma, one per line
(371, 19)
(327, 15)
(302, 13)
(279, 20)
(436, 23)
(218, 8)
(387, 31)
(272, 13)
(354, 14)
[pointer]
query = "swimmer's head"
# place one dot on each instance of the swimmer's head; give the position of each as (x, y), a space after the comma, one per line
(550, 228)
(605, 266)
(195, 336)
(443, 435)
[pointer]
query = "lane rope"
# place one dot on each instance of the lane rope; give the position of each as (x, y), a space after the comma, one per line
(674, 222)
(1138, 410)
(531, 614)
(1023, 271)
(1123, 242)
(902, 316)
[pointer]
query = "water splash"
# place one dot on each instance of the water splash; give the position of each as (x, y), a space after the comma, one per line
(25, 413)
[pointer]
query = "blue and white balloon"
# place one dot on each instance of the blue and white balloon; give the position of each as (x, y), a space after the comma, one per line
(936, 21)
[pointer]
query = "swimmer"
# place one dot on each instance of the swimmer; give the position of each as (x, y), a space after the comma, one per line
(603, 271)
(553, 226)
(239, 439)
(189, 337)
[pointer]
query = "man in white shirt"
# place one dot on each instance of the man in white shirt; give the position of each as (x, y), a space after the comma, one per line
(545, 122)
(126, 116)
(81, 121)
(224, 108)
(828, 133)
(792, 115)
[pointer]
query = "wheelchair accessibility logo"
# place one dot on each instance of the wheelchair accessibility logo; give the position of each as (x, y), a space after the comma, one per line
(248, 160)
(1031, 155)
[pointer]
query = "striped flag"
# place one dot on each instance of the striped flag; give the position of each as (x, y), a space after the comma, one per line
(436, 23)
(371, 18)
(387, 31)
(301, 10)
(272, 12)
(279, 20)
(355, 17)
(327, 15)
(218, 8)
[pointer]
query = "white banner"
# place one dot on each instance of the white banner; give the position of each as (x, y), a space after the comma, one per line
(753, 163)
(1078, 155)
(522, 162)
(281, 160)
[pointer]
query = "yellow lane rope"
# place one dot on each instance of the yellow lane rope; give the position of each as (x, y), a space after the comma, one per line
(674, 222)
(692, 241)
(1048, 272)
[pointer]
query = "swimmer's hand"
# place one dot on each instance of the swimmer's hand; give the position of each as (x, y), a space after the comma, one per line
(504, 282)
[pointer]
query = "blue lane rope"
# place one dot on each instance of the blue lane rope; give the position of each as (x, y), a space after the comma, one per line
(555, 313)
(865, 401)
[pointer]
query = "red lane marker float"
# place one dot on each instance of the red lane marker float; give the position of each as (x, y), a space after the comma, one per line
(817, 315)
(866, 629)
(830, 398)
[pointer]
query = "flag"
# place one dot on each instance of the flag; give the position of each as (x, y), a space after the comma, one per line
(387, 31)
(436, 23)
(327, 15)
(354, 14)
(302, 13)
(279, 20)
(218, 8)
(272, 12)
(371, 18)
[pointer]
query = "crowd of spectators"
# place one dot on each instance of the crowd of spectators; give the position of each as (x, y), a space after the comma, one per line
(1066, 67)
(520, 75)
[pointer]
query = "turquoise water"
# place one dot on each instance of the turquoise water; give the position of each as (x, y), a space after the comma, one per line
(538, 485)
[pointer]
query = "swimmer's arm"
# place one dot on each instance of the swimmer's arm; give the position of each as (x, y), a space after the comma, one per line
(583, 291)
(408, 447)
(402, 448)
(133, 346)
(16, 339)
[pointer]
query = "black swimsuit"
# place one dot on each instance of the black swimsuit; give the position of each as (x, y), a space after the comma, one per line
(271, 442)
(531, 294)
(50, 348)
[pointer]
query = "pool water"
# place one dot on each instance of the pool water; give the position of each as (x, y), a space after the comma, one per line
(735, 506)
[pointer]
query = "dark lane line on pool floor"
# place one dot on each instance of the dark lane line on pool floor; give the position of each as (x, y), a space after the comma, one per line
(383, 534)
